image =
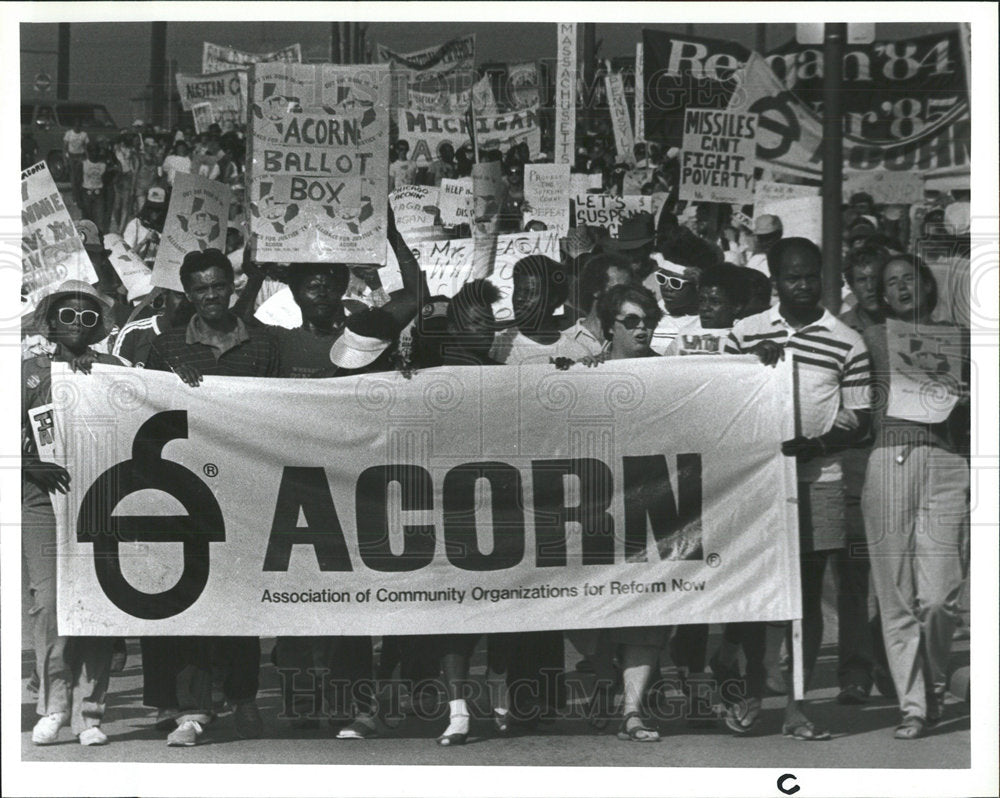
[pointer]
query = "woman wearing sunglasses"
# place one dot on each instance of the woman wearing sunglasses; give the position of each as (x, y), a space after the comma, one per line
(73, 671)
(628, 315)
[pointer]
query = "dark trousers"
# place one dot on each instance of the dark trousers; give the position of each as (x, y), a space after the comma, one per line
(177, 671)
(688, 647)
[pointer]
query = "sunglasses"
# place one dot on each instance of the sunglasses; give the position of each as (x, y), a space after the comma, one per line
(669, 280)
(87, 318)
(632, 322)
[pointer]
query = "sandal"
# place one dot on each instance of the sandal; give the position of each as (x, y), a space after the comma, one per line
(742, 723)
(806, 731)
(640, 733)
(455, 738)
(911, 728)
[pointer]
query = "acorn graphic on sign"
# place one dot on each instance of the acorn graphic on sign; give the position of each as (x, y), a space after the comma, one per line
(201, 224)
(273, 210)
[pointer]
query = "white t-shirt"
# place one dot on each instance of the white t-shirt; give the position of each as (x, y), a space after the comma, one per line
(173, 164)
(699, 341)
(512, 348)
(76, 143)
(669, 328)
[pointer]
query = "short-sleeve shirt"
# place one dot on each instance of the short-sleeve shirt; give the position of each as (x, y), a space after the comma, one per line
(303, 354)
(699, 341)
(832, 371)
(579, 342)
(512, 348)
(255, 356)
(669, 328)
(76, 143)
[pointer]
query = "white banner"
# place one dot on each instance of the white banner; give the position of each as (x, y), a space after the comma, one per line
(51, 249)
(620, 123)
(565, 89)
(425, 130)
(592, 498)
(438, 79)
(219, 58)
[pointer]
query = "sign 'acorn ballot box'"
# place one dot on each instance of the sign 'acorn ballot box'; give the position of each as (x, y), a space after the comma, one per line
(319, 172)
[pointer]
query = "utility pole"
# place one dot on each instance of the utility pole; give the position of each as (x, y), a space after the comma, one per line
(157, 71)
(334, 43)
(760, 37)
(62, 62)
(345, 48)
(834, 39)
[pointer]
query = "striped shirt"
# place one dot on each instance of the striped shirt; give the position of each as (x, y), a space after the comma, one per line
(135, 339)
(829, 366)
(256, 354)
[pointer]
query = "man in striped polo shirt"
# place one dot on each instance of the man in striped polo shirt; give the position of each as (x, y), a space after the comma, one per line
(831, 372)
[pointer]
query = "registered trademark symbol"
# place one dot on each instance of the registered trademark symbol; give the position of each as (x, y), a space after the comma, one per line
(210, 469)
(713, 560)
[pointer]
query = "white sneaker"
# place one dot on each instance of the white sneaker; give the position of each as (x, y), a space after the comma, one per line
(93, 736)
(186, 734)
(46, 731)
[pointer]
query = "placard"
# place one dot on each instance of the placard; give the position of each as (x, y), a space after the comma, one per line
(620, 123)
(565, 88)
(415, 208)
(135, 275)
(547, 192)
(438, 79)
(718, 156)
(522, 85)
(925, 371)
(318, 173)
(604, 210)
(766, 191)
(219, 58)
(455, 201)
(426, 130)
(886, 188)
(204, 117)
(225, 91)
(197, 219)
(51, 249)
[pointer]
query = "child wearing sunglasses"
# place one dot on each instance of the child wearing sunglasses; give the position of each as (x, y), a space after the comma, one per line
(73, 671)
(679, 292)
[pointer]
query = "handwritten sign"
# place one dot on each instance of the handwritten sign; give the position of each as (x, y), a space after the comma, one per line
(196, 220)
(426, 130)
(767, 191)
(415, 208)
(547, 192)
(318, 176)
(889, 188)
(620, 124)
(219, 58)
(604, 210)
(455, 201)
(717, 156)
(225, 92)
(51, 249)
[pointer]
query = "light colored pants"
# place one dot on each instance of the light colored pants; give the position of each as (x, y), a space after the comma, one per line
(73, 672)
(916, 519)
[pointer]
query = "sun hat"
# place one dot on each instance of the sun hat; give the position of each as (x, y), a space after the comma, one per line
(363, 340)
(74, 288)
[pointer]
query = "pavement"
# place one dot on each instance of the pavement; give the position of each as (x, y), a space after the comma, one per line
(862, 734)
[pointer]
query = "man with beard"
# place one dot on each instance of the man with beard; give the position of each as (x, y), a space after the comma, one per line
(832, 406)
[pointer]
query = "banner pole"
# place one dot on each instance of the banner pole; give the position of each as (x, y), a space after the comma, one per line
(798, 677)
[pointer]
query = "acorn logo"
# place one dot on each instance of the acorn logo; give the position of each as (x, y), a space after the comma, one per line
(147, 470)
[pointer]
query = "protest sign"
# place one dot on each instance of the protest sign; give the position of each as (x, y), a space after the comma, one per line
(800, 216)
(203, 115)
(425, 131)
(682, 71)
(51, 249)
(925, 370)
(437, 78)
(285, 533)
(565, 88)
(522, 85)
(790, 139)
(510, 248)
(196, 220)
(456, 202)
(489, 191)
(888, 188)
(415, 208)
(604, 210)
(280, 310)
(620, 124)
(226, 92)
(446, 264)
(219, 58)
(318, 176)
(135, 275)
(640, 95)
(718, 156)
(547, 192)
(766, 191)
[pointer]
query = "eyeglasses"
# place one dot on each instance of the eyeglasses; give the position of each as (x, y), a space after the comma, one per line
(88, 318)
(671, 281)
(632, 322)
